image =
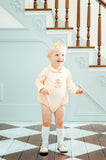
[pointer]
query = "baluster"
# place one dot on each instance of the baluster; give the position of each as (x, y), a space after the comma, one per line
(45, 4)
(88, 23)
(56, 13)
(35, 4)
(78, 23)
(67, 7)
(99, 35)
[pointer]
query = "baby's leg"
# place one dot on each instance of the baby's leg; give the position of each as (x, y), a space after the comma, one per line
(59, 118)
(46, 118)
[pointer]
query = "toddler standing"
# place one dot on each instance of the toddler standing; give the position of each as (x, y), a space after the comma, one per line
(52, 84)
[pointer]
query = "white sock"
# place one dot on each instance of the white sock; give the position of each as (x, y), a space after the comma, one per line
(60, 135)
(45, 134)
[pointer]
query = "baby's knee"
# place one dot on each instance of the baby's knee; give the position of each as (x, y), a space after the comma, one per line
(59, 123)
(46, 123)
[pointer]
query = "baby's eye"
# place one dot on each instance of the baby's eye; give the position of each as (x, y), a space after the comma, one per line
(57, 54)
(62, 54)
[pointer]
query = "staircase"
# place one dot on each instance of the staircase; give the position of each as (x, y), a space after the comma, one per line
(80, 57)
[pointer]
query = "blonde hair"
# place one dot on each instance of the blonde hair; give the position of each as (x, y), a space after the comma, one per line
(53, 47)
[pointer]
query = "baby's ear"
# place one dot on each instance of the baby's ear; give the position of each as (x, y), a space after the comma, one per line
(48, 57)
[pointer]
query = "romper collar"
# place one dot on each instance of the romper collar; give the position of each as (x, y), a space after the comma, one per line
(54, 70)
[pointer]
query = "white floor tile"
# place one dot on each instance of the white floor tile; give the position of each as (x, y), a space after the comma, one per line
(92, 147)
(79, 148)
(68, 124)
(18, 132)
(77, 133)
(87, 133)
(74, 133)
(4, 145)
(18, 146)
(23, 124)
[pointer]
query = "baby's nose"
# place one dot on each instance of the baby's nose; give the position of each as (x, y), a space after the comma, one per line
(60, 56)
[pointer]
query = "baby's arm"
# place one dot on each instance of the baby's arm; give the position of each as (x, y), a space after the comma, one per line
(40, 82)
(72, 87)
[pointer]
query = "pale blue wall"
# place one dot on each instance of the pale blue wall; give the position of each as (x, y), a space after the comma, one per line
(23, 54)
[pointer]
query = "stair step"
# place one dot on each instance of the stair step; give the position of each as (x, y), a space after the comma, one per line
(59, 28)
(97, 65)
(77, 47)
(38, 9)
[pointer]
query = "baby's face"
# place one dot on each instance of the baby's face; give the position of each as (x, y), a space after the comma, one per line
(57, 58)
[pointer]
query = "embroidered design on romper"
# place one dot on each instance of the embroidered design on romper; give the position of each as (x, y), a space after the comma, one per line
(57, 83)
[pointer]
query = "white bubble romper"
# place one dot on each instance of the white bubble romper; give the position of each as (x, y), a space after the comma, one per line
(57, 83)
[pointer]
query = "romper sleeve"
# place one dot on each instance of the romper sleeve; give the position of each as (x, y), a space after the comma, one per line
(40, 81)
(70, 85)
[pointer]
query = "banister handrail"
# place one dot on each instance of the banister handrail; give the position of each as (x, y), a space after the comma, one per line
(56, 27)
(103, 3)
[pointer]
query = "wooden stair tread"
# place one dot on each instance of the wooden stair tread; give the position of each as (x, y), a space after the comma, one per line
(59, 28)
(77, 47)
(38, 9)
(97, 65)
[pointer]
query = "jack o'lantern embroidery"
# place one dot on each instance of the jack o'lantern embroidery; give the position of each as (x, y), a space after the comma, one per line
(57, 83)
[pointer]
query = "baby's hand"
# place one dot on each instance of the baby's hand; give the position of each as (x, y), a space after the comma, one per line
(44, 91)
(80, 91)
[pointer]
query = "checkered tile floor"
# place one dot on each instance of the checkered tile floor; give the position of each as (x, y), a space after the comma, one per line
(21, 141)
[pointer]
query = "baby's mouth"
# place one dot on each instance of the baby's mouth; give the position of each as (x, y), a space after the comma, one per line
(59, 61)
